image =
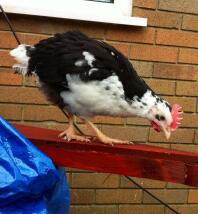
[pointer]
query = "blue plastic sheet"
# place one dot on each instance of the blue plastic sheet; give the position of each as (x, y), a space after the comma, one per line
(57, 200)
(29, 182)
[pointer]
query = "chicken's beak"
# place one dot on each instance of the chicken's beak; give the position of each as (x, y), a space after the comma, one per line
(167, 132)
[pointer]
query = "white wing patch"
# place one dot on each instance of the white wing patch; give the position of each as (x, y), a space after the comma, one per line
(79, 63)
(92, 70)
(20, 55)
(89, 58)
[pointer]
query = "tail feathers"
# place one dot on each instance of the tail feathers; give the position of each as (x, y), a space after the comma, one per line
(22, 56)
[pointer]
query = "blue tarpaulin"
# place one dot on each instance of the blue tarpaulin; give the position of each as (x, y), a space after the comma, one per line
(29, 182)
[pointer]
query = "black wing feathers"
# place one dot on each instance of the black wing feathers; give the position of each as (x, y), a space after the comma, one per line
(132, 83)
(55, 57)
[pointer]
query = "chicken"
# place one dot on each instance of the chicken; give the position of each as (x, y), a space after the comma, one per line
(86, 77)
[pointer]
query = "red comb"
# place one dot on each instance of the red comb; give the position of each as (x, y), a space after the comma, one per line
(176, 115)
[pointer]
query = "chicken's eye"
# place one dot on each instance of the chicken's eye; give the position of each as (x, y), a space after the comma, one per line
(159, 117)
(162, 118)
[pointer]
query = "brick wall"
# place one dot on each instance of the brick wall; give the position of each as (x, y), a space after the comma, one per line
(165, 54)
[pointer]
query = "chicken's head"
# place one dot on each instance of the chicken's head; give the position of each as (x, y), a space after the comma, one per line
(165, 118)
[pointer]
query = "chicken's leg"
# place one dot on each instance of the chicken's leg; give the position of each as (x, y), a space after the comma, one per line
(70, 134)
(103, 138)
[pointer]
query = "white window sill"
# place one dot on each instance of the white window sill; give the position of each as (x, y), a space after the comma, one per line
(103, 15)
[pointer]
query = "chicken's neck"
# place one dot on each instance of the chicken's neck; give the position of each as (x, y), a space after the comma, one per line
(142, 105)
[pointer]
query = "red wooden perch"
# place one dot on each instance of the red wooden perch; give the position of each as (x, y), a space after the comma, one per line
(133, 160)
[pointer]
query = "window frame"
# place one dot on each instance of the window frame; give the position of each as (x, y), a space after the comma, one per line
(118, 12)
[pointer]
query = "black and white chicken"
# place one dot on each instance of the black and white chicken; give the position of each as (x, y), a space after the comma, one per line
(87, 77)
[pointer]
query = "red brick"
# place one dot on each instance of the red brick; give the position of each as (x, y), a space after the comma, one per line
(157, 144)
(131, 34)
(186, 6)
(196, 136)
(187, 88)
(179, 136)
(187, 55)
(177, 186)
(33, 24)
(94, 180)
(11, 112)
(165, 87)
(50, 125)
(159, 18)
(190, 22)
(5, 59)
(183, 209)
(144, 69)
(193, 196)
(31, 39)
(93, 209)
(86, 130)
(8, 40)
(137, 121)
(47, 25)
(146, 183)
(30, 81)
(69, 177)
(141, 209)
(7, 77)
(177, 38)
(118, 196)
(145, 3)
(126, 133)
(172, 71)
(82, 196)
(190, 120)
(188, 104)
(108, 120)
(185, 147)
(73, 170)
(35, 124)
(43, 113)
(154, 53)
(3, 23)
(21, 95)
(169, 196)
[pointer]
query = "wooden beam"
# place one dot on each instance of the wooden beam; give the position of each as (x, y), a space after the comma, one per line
(137, 160)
